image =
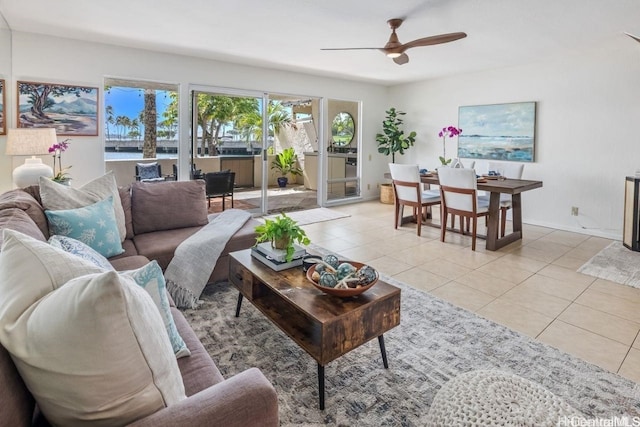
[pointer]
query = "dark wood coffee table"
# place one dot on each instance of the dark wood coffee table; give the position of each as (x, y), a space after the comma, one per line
(324, 326)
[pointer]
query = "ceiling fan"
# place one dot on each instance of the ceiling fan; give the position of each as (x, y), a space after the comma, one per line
(396, 50)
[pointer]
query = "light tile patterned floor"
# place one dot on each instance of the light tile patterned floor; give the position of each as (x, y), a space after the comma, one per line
(530, 286)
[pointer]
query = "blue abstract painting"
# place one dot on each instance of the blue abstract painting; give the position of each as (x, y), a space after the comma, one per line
(498, 132)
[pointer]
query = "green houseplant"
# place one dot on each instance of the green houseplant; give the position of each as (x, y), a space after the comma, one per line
(281, 231)
(285, 163)
(392, 140)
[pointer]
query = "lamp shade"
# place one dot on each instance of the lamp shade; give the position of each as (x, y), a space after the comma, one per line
(30, 141)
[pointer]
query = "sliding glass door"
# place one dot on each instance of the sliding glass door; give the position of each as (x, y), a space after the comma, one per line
(227, 136)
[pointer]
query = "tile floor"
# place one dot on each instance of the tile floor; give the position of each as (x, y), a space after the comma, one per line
(530, 286)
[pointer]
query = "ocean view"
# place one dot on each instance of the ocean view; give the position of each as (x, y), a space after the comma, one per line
(113, 155)
(496, 147)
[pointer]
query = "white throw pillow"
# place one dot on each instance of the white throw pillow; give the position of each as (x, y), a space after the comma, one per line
(24, 259)
(94, 352)
(56, 196)
(89, 347)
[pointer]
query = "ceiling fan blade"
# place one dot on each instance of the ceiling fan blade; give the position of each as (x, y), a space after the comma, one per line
(353, 48)
(636, 38)
(428, 41)
(402, 59)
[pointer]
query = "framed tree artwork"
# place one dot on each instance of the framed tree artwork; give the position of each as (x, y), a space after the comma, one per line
(71, 110)
(3, 121)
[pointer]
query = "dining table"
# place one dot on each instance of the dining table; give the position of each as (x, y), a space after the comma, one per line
(496, 186)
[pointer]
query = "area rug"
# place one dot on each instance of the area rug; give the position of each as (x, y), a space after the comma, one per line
(615, 263)
(311, 216)
(434, 343)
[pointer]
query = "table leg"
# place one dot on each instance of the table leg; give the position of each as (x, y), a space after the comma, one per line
(383, 351)
(321, 385)
(239, 304)
(516, 207)
(494, 221)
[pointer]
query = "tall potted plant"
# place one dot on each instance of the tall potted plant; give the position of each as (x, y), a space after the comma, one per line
(285, 163)
(392, 140)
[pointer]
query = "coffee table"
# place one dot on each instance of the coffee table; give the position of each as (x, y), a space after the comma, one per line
(324, 326)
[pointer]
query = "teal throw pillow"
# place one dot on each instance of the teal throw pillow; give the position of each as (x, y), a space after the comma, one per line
(94, 225)
(76, 247)
(151, 279)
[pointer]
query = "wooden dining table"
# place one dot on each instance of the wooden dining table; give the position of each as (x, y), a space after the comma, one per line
(495, 187)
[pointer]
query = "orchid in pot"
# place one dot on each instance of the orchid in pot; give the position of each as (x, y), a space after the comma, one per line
(61, 174)
(450, 131)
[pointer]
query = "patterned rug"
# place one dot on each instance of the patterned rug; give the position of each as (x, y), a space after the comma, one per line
(434, 343)
(615, 263)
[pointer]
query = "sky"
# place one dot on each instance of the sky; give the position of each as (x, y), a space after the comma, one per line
(129, 102)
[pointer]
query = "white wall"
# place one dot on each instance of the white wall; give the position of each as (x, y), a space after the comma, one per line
(58, 60)
(587, 132)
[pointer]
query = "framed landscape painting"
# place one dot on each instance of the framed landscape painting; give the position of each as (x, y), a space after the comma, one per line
(3, 121)
(498, 132)
(71, 110)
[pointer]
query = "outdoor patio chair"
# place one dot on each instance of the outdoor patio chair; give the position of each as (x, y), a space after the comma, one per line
(149, 172)
(408, 192)
(219, 184)
(459, 194)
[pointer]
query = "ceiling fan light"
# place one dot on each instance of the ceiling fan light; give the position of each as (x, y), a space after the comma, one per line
(393, 54)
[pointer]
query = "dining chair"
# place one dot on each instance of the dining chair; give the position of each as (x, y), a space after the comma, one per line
(219, 184)
(459, 195)
(408, 192)
(508, 170)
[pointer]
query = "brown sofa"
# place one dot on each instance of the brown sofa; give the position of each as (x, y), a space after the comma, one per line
(159, 216)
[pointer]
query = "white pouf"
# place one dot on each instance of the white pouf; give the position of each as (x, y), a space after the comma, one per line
(495, 398)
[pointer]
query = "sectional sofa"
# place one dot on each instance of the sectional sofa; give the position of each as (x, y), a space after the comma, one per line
(158, 217)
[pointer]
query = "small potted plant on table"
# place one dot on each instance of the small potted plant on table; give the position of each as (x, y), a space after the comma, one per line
(282, 232)
(285, 163)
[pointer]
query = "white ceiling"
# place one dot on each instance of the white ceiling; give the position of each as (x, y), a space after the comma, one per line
(288, 35)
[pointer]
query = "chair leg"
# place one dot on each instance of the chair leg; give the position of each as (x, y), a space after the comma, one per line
(209, 201)
(419, 218)
(473, 235)
(231, 199)
(503, 221)
(223, 206)
(443, 226)
(397, 213)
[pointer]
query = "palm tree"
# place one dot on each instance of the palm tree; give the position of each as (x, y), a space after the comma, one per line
(279, 118)
(110, 120)
(150, 123)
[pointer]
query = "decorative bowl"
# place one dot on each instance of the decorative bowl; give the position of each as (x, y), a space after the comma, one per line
(351, 292)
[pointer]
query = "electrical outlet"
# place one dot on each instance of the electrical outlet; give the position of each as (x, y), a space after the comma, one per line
(369, 157)
(574, 211)
(368, 186)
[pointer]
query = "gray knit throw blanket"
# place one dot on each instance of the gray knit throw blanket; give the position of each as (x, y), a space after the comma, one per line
(195, 258)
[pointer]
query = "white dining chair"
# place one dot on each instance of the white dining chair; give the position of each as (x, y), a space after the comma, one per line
(509, 170)
(459, 196)
(408, 192)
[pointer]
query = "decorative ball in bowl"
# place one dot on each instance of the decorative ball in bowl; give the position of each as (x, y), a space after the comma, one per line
(348, 279)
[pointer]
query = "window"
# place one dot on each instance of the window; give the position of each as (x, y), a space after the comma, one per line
(141, 120)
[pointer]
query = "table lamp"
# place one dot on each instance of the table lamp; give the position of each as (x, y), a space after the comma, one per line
(30, 142)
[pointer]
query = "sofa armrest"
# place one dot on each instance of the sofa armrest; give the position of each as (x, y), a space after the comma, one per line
(246, 399)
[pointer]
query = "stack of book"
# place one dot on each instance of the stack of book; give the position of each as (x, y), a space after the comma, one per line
(276, 258)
